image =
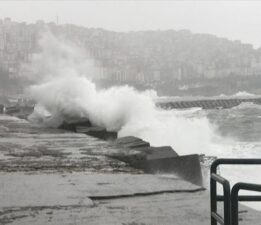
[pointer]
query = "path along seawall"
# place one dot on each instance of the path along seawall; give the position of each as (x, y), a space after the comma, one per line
(63, 176)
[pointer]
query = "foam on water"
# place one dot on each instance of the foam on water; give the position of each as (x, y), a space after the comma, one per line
(247, 105)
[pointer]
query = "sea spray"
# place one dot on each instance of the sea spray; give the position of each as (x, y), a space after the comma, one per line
(56, 57)
(65, 92)
(122, 109)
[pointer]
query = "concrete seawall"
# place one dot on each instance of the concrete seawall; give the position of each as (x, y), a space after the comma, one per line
(208, 103)
(57, 177)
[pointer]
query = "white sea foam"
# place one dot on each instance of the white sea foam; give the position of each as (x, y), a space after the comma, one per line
(65, 92)
(247, 105)
(240, 94)
(244, 94)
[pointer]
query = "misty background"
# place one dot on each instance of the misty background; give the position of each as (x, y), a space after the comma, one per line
(174, 47)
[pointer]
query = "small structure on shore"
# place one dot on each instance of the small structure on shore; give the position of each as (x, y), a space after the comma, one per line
(20, 108)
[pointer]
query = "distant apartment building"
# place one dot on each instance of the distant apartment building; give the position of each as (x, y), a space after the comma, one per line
(17, 43)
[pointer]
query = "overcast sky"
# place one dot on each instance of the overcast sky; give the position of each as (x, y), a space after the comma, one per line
(236, 20)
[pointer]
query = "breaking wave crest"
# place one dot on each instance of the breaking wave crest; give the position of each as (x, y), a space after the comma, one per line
(66, 93)
(247, 105)
(240, 94)
(122, 109)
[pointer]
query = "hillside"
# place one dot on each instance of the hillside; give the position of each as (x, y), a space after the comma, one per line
(173, 62)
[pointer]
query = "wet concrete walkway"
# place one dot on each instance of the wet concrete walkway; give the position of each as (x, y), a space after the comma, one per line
(48, 176)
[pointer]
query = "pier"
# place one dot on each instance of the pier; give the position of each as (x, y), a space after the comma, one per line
(210, 103)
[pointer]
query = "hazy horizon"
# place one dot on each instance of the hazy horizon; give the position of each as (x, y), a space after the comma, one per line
(235, 20)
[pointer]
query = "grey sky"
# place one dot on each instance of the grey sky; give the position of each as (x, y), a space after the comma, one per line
(232, 19)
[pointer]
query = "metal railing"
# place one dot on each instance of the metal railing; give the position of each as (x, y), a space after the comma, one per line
(235, 198)
(230, 197)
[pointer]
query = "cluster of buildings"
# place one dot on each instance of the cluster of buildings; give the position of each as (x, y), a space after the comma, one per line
(139, 57)
(156, 56)
(17, 43)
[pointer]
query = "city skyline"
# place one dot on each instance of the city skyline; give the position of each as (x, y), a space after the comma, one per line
(235, 20)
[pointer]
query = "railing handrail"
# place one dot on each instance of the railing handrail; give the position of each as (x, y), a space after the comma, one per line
(233, 161)
(229, 217)
(215, 217)
(235, 198)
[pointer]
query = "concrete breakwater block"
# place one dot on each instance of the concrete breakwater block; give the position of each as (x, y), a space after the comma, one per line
(131, 142)
(163, 159)
(135, 155)
(133, 150)
(159, 152)
(98, 132)
(187, 167)
(83, 125)
(72, 123)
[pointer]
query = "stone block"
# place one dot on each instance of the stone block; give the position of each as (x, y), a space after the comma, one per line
(131, 142)
(72, 123)
(187, 167)
(158, 152)
(132, 156)
(127, 139)
(98, 132)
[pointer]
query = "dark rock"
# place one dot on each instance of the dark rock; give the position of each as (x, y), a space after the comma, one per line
(98, 132)
(135, 155)
(127, 139)
(187, 167)
(158, 152)
(71, 123)
(83, 125)
(131, 142)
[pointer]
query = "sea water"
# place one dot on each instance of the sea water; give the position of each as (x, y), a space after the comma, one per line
(235, 133)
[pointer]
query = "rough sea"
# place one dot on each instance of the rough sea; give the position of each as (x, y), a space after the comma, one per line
(235, 133)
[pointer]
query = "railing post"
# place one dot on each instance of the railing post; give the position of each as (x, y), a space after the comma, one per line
(213, 202)
(227, 203)
(235, 198)
(213, 192)
(234, 204)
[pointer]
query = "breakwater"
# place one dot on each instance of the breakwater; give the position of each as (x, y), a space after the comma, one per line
(208, 103)
(134, 151)
(139, 154)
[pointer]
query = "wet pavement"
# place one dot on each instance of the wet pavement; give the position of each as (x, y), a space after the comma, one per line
(49, 176)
